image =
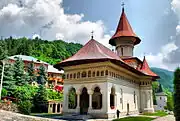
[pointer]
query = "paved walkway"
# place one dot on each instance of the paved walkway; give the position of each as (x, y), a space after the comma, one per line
(166, 118)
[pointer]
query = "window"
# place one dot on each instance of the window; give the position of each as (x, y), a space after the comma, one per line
(70, 76)
(89, 73)
(94, 73)
(83, 74)
(78, 75)
(106, 72)
(97, 73)
(134, 97)
(74, 75)
(67, 76)
(102, 73)
(160, 98)
(112, 98)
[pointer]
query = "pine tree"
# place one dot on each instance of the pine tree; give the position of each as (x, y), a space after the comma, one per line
(8, 79)
(19, 75)
(30, 71)
(177, 94)
(42, 75)
(40, 99)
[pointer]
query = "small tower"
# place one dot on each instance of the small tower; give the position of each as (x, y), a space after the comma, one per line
(124, 38)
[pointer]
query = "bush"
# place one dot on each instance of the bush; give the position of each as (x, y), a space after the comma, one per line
(4, 92)
(25, 107)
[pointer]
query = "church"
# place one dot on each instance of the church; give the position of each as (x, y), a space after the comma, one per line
(103, 81)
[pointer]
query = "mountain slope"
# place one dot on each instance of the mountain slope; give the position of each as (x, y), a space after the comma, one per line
(166, 77)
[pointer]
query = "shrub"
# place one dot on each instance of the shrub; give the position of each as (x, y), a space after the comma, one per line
(25, 107)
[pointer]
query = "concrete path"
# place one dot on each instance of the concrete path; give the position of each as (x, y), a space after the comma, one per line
(166, 118)
(10, 116)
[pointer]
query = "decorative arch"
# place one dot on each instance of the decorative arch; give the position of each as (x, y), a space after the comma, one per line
(89, 73)
(97, 98)
(72, 98)
(97, 74)
(112, 97)
(102, 73)
(83, 75)
(78, 75)
(106, 73)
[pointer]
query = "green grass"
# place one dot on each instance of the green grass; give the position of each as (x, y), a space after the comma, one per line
(158, 113)
(135, 119)
(45, 115)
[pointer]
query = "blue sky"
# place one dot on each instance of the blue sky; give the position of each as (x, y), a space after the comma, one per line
(156, 22)
(147, 17)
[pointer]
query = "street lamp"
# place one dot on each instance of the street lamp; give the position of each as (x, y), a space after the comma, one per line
(2, 74)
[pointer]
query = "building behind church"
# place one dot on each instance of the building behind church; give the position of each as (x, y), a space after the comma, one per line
(104, 81)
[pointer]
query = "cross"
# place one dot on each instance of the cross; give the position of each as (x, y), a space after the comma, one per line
(92, 34)
(122, 4)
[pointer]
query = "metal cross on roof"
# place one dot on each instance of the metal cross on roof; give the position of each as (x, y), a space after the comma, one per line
(92, 34)
(123, 4)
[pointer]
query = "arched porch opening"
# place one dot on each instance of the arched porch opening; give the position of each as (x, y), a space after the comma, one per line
(97, 99)
(84, 101)
(112, 98)
(72, 99)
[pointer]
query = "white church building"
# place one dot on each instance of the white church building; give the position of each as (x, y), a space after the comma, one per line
(104, 81)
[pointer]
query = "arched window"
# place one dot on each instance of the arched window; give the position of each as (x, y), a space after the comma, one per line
(106, 72)
(94, 73)
(72, 99)
(70, 76)
(89, 73)
(83, 74)
(74, 75)
(78, 75)
(97, 99)
(112, 98)
(102, 73)
(97, 74)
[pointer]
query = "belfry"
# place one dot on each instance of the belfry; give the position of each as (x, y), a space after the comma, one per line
(98, 82)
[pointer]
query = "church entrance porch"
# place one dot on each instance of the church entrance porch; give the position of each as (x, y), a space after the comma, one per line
(84, 101)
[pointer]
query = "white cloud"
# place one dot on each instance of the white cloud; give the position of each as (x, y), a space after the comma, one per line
(47, 18)
(161, 59)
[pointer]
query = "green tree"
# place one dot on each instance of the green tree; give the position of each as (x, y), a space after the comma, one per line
(8, 79)
(24, 95)
(177, 94)
(41, 100)
(30, 72)
(42, 75)
(19, 75)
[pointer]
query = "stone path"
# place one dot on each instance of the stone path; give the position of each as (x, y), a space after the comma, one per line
(10, 116)
(166, 118)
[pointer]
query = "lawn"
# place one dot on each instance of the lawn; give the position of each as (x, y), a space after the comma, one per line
(158, 113)
(135, 119)
(46, 115)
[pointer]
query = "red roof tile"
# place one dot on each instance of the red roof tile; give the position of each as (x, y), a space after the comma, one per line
(124, 29)
(146, 70)
(93, 50)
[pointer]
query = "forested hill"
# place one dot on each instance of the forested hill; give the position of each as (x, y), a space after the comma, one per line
(48, 51)
(166, 78)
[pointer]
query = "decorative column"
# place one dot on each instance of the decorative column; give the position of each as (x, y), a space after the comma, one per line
(90, 92)
(56, 108)
(78, 101)
(115, 101)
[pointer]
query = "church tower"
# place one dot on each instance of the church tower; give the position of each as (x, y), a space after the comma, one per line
(124, 38)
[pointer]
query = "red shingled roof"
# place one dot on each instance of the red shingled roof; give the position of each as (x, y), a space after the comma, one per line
(124, 29)
(93, 50)
(146, 70)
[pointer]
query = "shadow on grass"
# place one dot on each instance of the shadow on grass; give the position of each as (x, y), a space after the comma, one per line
(135, 119)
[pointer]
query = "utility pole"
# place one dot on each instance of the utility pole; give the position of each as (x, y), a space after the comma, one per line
(2, 74)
